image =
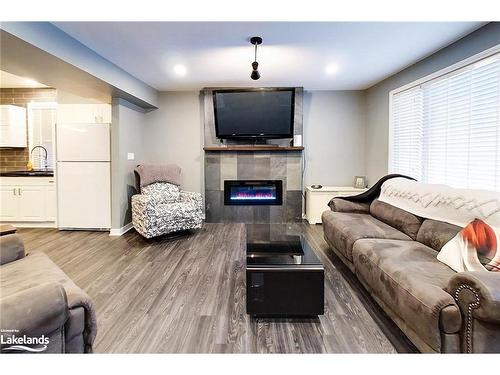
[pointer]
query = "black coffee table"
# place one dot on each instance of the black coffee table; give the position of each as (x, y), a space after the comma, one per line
(284, 276)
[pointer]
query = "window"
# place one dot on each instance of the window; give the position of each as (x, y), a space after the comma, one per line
(447, 130)
(41, 120)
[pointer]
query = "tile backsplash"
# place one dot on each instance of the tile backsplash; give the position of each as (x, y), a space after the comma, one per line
(13, 159)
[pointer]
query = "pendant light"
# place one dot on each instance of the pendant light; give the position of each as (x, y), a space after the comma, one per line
(256, 40)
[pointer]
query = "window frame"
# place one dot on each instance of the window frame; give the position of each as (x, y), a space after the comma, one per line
(442, 73)
(29, 111)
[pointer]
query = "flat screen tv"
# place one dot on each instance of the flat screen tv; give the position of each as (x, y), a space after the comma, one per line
(254, 113)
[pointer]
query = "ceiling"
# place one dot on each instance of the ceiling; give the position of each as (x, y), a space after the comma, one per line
(12, 81)
(317, 56)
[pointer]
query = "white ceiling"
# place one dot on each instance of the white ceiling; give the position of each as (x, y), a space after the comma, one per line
(12, 81)
(292, 54)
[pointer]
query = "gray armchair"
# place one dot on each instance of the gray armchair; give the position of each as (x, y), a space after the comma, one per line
(38, 300)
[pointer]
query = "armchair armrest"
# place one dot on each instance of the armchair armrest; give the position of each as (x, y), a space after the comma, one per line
(142, 200)
(143, 206)
(477, 294)
(191, 197)
(39, 310)
(341, 205)
(11, 248)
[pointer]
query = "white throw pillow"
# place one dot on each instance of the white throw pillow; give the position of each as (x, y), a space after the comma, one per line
(474, 248)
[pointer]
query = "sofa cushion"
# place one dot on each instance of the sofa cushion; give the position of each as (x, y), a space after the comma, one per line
(397, 218)
(408, 278)
(436, 234)
(343, 229)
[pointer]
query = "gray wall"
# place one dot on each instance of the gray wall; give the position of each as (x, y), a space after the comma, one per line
(173, 134)
(377, 97)
(334, 123)
(334, 137)
(126, 136)
(53, 40)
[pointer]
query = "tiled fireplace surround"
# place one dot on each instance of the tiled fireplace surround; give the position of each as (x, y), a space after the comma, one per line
(252, 165)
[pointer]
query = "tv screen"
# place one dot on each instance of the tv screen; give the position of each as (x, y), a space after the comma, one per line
(260, 113)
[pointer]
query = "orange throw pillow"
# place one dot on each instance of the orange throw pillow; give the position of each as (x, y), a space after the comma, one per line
(474, 248)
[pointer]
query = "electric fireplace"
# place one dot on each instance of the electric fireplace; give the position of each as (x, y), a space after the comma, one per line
(253, 192)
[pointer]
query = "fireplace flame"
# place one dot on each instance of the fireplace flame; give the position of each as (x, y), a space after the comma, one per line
(253, 195)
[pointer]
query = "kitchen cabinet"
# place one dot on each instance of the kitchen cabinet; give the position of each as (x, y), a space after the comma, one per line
(84, 114)
(51, 203)
(9, 208)
(28, 199)
(12, 126)
(31, 203)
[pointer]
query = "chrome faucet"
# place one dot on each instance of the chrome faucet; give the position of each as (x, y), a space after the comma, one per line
(46, 154)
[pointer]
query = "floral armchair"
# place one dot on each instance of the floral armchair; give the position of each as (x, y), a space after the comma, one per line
(163, 208)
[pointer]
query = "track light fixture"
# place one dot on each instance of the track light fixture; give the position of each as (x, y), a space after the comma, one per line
(256, 40)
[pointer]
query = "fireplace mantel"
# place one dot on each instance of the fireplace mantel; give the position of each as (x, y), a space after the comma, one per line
(253, 148)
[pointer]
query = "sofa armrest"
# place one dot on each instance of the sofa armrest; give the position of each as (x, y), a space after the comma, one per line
(341, 205)
(6, 229)
(11, 248)
(35, 311)
(477, 294)
(480, 291)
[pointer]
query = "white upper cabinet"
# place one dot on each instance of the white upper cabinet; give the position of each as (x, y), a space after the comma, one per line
(84, 114)
(12, 126)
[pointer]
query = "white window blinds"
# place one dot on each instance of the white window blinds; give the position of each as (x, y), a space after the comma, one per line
(447, 130)
(407, 133)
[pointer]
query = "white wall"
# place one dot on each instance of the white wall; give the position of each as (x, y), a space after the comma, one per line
(126, 136)
(334, 137)
(173, 134)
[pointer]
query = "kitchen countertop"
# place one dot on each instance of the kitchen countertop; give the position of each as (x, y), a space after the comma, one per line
(24, 173)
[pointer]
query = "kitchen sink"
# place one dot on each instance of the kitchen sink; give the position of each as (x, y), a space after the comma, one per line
(33, 173)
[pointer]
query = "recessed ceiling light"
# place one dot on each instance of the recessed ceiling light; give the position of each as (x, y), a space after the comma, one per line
(331, 69)
(180, 70)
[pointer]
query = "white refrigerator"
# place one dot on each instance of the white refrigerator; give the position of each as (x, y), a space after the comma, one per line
(83, 176)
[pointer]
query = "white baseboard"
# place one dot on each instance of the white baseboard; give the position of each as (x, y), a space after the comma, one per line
(33, 224)
(121, 231)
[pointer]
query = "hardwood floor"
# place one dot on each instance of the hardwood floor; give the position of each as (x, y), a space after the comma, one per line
(187, 295)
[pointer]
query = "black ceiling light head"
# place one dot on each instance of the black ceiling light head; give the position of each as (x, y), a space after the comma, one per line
(256, 40)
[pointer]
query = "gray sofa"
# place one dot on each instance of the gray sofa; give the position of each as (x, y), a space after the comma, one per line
(37, 298)
(393, 254)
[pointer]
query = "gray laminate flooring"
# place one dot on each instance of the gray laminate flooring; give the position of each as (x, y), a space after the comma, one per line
(187, 295)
